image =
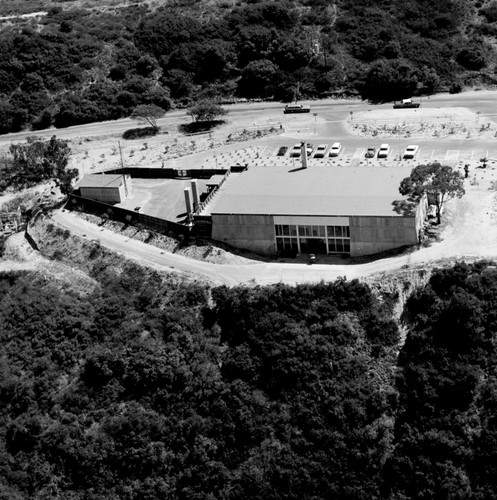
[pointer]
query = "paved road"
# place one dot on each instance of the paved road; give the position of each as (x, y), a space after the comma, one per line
(333, 112)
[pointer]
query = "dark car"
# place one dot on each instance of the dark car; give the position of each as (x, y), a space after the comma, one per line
(370, 153)
(296, 108)
(282, 151)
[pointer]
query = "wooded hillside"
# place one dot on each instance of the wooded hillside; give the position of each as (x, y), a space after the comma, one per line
(143, 388)
(82, 64)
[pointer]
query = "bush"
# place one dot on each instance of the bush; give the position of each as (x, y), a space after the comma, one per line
(490, 12)
(138, 133)
(197, 127)
(455, 88)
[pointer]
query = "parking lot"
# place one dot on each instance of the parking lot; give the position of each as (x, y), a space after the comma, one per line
(396, 153)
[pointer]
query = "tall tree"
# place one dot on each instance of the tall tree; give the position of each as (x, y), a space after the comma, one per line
(37, 161)
(148, 113)
(206, 111)
(439, 182)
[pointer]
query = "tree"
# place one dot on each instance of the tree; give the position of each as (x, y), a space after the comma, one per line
(206, 111)
(390, 79)
(148, 113)
(37, 161)
(56, 158)
(438, 182)
(259, 79)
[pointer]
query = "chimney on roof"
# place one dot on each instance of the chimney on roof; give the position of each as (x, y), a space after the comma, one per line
(303, 154)
(188, 202)
(194, 194)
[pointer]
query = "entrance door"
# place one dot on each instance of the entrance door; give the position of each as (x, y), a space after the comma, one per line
(315, 245)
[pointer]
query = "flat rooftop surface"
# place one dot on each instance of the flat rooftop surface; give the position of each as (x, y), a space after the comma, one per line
(316, 191)
(100, 180)
(162, 198)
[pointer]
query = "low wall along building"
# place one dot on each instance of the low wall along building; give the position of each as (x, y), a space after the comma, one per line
(326, 210)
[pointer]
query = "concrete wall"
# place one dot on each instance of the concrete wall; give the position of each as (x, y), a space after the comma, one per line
(105, 195)
(251, 232)
(421, 211)
(369, 235)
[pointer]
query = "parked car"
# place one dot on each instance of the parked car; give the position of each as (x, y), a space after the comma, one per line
(309, 149)
(411, 152)
(384, 151)
(406, 103)
(335, 149)
(295, 152)
(321, 151)
(282, 151)
(370, 153)
(296, 108)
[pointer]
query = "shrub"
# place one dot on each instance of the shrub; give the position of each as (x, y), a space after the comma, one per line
(455, 88)
(198, 127)
(138, 133)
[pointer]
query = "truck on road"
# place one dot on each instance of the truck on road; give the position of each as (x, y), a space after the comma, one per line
(406, 103)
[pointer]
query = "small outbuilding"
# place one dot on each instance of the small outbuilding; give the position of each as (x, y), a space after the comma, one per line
(107, 188)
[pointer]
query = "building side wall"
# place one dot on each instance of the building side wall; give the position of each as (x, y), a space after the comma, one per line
(250, 232)
(421, 211)
(370, 235)
(105, 195)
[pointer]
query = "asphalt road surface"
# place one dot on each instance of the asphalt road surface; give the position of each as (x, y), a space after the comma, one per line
(333, 112)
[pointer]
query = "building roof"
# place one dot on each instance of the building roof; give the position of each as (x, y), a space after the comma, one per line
(321, 190)
(101, 181)
(214, 180)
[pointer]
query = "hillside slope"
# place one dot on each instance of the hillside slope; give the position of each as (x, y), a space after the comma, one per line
(83, 62)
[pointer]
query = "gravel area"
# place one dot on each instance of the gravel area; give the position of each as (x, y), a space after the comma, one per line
(455, 123)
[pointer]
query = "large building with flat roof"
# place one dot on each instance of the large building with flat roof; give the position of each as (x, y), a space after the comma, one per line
(329, 210)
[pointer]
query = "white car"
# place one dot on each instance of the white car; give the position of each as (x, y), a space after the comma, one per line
(321, 151)
(335, 149)
(384, 151)
(411, 152)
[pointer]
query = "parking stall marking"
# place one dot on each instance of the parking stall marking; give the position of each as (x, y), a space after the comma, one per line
(452, 154)
(359, 152)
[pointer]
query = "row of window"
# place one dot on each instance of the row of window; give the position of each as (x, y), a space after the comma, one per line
(290, 245)
(313, 231)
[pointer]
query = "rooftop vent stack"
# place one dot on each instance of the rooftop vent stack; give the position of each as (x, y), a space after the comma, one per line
(303, 154)
(194, 194)
(188, 202)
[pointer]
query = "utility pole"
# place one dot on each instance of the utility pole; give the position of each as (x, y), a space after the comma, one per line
(122, 170)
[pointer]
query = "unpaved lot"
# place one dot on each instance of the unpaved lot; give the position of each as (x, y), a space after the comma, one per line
(453, 123)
